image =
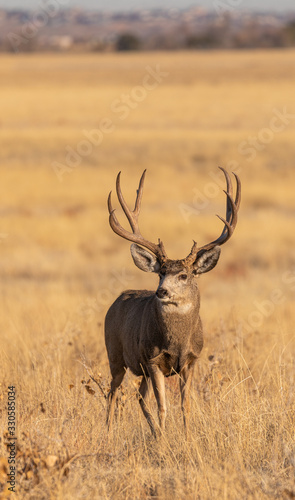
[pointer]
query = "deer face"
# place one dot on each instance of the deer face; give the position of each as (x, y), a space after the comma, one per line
(178, 279)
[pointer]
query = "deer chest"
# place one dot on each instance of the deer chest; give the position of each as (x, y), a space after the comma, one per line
(170, 364)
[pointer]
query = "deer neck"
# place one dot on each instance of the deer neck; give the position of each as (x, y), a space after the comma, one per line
(176, 318)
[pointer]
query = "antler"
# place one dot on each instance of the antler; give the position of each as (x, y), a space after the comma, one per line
(230, 222)
(132, 216)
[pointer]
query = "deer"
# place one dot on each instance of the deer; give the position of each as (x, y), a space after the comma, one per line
(157, 334)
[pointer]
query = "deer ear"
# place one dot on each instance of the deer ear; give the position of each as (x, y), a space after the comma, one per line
(207, 260)
(145, 260)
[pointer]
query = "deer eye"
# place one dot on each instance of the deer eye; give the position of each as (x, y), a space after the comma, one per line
(182, 277)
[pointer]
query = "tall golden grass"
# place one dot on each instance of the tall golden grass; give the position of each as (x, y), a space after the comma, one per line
(61, 268)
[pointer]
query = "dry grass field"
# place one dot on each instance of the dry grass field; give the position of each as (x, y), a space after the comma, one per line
(179, 115)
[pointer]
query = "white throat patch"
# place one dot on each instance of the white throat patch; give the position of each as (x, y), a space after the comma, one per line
(174, 308)
(183, 309)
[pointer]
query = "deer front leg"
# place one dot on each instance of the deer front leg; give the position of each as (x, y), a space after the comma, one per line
(186, 376)
(112, 396)
(158, 381)
(143, 395)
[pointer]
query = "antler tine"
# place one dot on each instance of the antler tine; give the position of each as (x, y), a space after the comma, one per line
(238, 195)
(114, 223)
(132, 217)
(231, 216)
(132, 221)
(229, 190)
(139, 194)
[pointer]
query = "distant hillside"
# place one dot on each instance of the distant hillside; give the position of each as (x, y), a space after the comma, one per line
(51, 28)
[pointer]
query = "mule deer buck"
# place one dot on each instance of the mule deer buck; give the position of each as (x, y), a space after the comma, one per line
(158, 334)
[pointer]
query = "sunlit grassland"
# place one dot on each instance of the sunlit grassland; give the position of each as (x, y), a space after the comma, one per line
(61, 267)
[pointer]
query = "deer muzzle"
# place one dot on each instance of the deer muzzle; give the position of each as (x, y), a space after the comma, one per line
(162, 293)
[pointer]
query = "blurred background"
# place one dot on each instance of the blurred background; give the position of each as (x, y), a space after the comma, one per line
(88, 90)
(76, 26)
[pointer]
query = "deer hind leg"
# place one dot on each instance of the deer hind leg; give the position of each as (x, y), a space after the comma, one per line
(144, 390)
(186, 376)
(158, 381)
(112, 396)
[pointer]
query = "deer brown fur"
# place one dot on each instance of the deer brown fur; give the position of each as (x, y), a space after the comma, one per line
(159, 334)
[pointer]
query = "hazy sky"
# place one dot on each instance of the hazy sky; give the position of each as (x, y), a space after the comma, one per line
(280, 5)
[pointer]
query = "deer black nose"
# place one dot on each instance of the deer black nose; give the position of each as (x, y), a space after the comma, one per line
(161, 293)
